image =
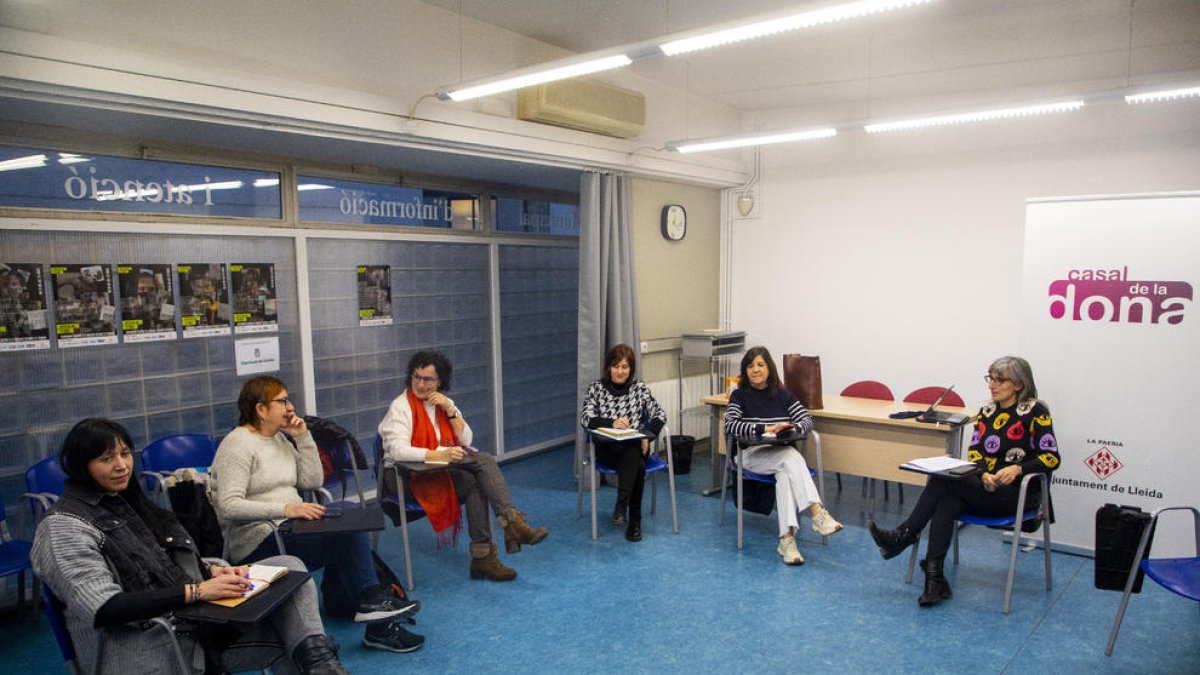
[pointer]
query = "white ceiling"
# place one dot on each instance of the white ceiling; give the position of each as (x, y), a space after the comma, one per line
(943, 55)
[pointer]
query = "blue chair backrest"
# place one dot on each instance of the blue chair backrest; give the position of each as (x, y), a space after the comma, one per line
(46, 476)
(58, 623)
(179, 451)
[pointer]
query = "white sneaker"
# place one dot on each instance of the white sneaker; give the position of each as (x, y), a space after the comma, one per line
(824, 524)
(787, 549)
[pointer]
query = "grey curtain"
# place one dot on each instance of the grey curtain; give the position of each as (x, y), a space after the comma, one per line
(608, 312)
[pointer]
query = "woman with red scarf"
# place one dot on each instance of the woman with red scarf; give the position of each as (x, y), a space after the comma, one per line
(424, 425)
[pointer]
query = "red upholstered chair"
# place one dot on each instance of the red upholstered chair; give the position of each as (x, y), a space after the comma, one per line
(869, 389)
(928, 395)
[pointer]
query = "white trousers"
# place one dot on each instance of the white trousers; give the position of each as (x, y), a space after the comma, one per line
(795, 490)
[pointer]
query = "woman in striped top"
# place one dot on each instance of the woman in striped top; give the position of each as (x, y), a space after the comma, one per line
(761, 405)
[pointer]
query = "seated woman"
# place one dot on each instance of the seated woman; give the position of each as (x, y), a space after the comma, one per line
(1013, 436)
(116, 560)
(760, 405)
(424, 425)
(255, 479)
(619, 401)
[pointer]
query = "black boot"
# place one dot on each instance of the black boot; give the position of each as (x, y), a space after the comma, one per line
(936, 586)
(618, 517)
(317, 655)
(892, 543)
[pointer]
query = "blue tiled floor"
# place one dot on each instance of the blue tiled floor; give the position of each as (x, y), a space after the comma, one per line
(692, 602)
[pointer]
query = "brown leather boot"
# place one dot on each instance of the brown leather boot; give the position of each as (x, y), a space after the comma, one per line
(517, 531)
(485, 564)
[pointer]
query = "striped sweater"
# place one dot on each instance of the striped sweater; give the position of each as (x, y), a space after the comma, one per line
(753, 410)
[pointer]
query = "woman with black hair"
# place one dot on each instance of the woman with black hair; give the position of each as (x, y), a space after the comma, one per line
(116, 560)
(760, 405)
(425, 425)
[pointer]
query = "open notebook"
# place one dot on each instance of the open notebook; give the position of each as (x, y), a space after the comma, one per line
(261, 577)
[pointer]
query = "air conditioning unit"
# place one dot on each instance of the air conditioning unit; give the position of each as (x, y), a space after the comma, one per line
(586, 105)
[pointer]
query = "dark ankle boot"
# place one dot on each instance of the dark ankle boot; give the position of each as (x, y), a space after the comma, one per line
(485, 564)
(517, 531)
(892, 543)
(622, 505)
(936, 586)
(634, 531)
(317, 655)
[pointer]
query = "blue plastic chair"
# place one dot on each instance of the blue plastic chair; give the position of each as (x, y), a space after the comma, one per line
(1042, 511)
(177, 451)
(1181, 576)
(341, 458)
(14, 558)
(733, 467)
(44, 482)
(654, 465)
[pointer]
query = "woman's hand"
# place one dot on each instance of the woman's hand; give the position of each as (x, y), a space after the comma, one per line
(215, 571)
(224, 585)
(439, 399)
(304, 511)
(451, 454)
(773, 428)
(645, 447)
(294, 426)
(621, 423)
(1008, 474)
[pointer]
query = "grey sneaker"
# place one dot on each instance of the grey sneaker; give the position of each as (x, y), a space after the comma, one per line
(787, 549)
(380, 603)
(824, 524)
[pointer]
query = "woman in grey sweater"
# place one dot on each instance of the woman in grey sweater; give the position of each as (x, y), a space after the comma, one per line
(116, 560)
(255, 478)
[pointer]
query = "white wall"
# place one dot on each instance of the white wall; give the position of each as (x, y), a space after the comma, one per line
(901, 261)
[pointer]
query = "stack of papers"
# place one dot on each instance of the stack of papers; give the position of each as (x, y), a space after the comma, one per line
(618, 434)
(261, 577)
(934, 464)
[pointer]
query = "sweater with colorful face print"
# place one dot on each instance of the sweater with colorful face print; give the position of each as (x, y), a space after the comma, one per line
(1022, 434)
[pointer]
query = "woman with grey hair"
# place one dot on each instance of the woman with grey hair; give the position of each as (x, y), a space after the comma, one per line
(1013, 436)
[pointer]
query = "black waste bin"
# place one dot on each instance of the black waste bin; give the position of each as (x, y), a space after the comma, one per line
(681, 450)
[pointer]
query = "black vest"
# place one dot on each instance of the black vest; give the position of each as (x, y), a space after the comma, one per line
(140, 560)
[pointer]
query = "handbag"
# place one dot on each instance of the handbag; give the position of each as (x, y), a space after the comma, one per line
(802, 377)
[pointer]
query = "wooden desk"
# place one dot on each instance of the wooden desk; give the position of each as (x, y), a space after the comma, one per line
(858, 437)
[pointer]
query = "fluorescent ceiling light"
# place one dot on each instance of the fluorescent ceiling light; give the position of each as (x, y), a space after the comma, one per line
(305, 187)
(266, 182)
(705, 38)
(27, 162)
(705, 145)
(1166, 95)
(527, 77)
(71, 158)
(979, 116)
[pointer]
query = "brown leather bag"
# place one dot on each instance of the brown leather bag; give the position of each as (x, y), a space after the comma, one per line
(802, 377)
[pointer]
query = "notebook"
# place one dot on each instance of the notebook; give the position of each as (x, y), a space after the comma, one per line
(618, 434)
(938, 417)
(261, 577)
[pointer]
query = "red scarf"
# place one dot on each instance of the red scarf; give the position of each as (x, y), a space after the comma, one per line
(434, 490)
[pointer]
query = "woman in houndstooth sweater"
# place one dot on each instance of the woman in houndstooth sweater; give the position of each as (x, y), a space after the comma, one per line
(619, 401)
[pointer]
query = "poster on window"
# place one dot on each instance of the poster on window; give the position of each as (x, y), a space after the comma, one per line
(374, 295)
(84, 311)
(203, 299)
(147, 302)
(23, 322)
(1109, 325)
(253, 298)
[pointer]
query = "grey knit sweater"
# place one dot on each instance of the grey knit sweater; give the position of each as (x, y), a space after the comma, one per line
(253, 478)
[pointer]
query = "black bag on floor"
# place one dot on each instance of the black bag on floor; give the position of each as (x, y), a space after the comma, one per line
(1118, 532)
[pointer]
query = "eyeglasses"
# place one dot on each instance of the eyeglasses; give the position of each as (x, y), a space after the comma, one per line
(423, 379)
(997, 380)
(285, 401)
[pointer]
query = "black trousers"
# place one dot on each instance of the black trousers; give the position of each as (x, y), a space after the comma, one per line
(627, 458)
(943, 499)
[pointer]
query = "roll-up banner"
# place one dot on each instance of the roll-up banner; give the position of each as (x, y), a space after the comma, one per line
(1109, 327)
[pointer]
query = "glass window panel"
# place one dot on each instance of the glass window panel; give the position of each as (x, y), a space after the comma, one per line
(534, 216)
(327, 200)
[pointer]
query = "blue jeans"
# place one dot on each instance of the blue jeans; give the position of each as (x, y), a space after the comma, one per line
(346, 557)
